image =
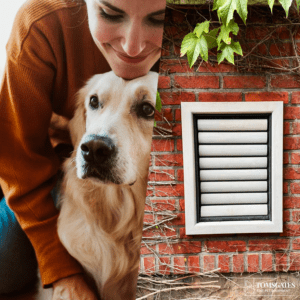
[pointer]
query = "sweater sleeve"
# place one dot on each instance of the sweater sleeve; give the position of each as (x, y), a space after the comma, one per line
(28, 162)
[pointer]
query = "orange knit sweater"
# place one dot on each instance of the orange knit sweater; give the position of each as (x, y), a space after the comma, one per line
(50, 55)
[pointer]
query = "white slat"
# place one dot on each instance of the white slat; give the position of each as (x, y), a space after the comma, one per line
(233, 186)
(232, 124)
(233, 150)
(232, 137)
(234, 174)
(234, 198)
(234, 210)
(233, 162)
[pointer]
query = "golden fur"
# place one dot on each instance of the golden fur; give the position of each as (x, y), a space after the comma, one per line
(100, 223)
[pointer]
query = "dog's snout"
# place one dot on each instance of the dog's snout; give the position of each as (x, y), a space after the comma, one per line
(98, 149)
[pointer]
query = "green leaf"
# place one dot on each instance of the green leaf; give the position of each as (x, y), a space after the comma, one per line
(194, 54)
(211, 38)
(286, 4)
(241, 8)
(188, 43)
(203, 48)
(158, 104)
(298, 4)
(225, 31)
(228, 52)
(271, 4)
(201, 27)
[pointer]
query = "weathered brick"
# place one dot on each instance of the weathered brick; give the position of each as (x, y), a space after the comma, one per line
(266, 262)
(168, 160)
(177, 97)
(225, 246)
(281, 262)
(296, 216)
(206, 67)
(162, 145)
(193, 264)
(179, 145)
(256, 32)
(181, 204)
(296, 97)
(296, 244)
(219, 97)
(177, 130)
(161, 175)
(285, 187)
(295, 158)
(281, 49)
(177, 115)
(175, 190)
(296, 128)
(286, 127)
(180, 248)
(164, 265)
(224, 263)
(182, 234)
(164, 82)
(148, 218)
(291, 173)
(285, 158)
(253, 262)
(267, 96)
(238, 263)
(197, 82)
(244, 82)
(179, 265)
(291, 113)
(149, 265)
(294, 261)
(285, 81)
(286, 216)
(180, 220)
(295, 187)
(175, 66)
(290, 230)
(268, 245)
(291, 202)
(145, 249)
(291, 143)
(160, 205)
(208, 263)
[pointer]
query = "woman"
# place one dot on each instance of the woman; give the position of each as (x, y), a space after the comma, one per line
(53, 49)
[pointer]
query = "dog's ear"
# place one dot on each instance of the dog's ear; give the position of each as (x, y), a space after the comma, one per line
(77, 124)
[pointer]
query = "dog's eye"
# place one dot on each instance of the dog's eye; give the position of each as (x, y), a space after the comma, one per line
(94, 102)
(145, 110)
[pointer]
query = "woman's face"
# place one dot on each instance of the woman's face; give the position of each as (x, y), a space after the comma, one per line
(128, 33)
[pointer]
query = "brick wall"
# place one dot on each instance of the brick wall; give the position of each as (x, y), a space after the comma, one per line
(165, 248)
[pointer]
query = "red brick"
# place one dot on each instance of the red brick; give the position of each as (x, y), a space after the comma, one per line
(180, 174)
(182, 234)
(281, 49)
(177, 130)
(149, 265)
(164, 265)
(286, 128)
(179, 265)
(295, 187)
(148, 219)
(296, 244)
(180, 220)
(266, 262)
(244, 82)
(296, 216)
(267, 96)
(176, 98)
(224, 263)
(295, 158)
(285, 81)
(296, 128)
(158, 233)
(161, 175)
(215, 68)
(281, 262)
(164, 82)
(181, 204)
(291, 202)
(193, 264)
(268, 245)
(167, 114)
(290, 230)
(253, 263)
(175, 190)
(161, 205)
(238, 263)
(168, 160)
(178, 16)
(296, 97)
(291, 143)
(282, 33)
(294, 261)
(179, 145)
(219, 97)
(285, 187)
(259, 48)
(177, 114)
(291, 173)
(145, 250)
(165, 50)
(225, 246)
(174, 32)
(285, 158)
(256, 33)
(208, 263)
(180, 248)
(291, 113)
(286, 216)
(197, 82)
(175, 66)
(162, 145)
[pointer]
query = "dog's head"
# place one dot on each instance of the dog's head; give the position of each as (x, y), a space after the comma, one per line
(112, 128)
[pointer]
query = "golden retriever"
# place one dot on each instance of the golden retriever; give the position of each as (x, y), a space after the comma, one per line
(104, 187)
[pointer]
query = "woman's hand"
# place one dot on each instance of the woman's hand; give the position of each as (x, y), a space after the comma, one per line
(72, 288)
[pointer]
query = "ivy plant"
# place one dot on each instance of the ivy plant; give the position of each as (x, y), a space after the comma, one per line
(202, 39)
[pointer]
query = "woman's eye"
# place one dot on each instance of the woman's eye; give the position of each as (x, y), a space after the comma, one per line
(110, 16)
(146, 111)
(94, 102)
(157, 21)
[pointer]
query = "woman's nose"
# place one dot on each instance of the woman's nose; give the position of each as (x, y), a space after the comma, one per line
(133, 40)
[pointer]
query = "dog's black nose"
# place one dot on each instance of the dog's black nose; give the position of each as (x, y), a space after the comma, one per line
(98, 149)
